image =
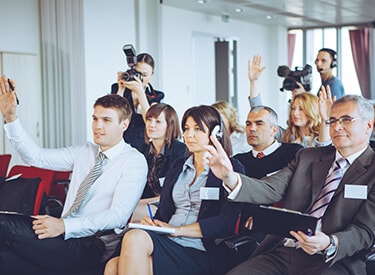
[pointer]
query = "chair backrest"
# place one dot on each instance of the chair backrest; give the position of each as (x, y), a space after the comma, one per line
(4, 164)
(46, 180)
(61, 184)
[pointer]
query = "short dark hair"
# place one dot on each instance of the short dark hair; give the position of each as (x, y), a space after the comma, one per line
(114, 101)
(330, 51)
(173, 128)
(333, 55)
(211, 117)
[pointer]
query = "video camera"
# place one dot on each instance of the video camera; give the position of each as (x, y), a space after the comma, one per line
(131, 59)
(301, 75)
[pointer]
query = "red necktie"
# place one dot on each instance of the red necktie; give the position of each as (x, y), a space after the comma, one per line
(260, 155)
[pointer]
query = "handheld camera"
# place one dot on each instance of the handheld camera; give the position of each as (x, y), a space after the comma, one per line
(131, 60)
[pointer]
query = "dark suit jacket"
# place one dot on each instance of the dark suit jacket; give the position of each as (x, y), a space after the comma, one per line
(351, 220)
(134, 135)
(217, 218)
(177, 150)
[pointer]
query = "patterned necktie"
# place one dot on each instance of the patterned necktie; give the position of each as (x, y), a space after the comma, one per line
(86, 184)
(332, 182)
(154, 165)
(260, 155)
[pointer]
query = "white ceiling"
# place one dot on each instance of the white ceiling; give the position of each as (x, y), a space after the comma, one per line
(288, 13)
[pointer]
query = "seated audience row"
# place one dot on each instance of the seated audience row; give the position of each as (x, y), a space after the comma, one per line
(193, 200)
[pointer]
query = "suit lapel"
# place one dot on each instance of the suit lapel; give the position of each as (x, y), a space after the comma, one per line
(356, 170)
(320, 170)
(212, 181)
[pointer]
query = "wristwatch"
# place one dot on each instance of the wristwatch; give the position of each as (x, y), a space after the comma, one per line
(330, 251)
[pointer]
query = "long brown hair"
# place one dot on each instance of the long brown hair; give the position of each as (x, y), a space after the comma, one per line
(173, 129)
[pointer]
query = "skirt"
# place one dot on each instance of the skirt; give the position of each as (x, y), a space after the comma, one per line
(170, 258)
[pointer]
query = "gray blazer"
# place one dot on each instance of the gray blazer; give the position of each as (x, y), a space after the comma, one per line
(351, 220)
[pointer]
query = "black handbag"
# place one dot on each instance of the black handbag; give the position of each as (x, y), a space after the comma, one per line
(18, 195)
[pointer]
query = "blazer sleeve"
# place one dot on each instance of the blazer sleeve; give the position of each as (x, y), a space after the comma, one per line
(218, 218)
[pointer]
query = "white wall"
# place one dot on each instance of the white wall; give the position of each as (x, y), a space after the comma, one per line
(19, 21)
(108, 25)
(165, 32)
(177, 58)
(20, 60)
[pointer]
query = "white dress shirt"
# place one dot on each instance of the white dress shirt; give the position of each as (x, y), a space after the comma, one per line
(113, 196)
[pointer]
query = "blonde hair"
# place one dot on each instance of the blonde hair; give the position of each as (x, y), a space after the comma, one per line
(310, 107)
(231, 114)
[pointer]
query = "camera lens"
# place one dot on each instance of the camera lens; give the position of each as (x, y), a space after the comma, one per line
(290, 84)
(126, 76)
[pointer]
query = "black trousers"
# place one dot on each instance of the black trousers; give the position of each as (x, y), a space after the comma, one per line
(21, 252)
(288, 260)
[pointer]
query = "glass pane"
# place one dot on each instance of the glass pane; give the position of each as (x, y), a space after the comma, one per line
(349, 76)
(298, 49)
(314, 42)
(329, 39)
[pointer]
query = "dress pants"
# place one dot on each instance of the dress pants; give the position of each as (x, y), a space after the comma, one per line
(287, 260)
(21, 252)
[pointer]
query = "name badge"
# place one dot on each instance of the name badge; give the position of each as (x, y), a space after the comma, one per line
(209, 193)
(355, 192)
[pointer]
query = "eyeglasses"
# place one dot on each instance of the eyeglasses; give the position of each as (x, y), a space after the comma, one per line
(344, 120)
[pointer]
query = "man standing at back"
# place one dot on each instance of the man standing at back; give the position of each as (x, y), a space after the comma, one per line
(325, 61)
(335, 184)
(108, 177)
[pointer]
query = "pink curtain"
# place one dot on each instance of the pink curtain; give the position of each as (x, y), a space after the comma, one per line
(360, 43)
(291, 45)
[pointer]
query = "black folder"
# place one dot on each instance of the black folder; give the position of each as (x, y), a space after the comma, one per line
(279, 221)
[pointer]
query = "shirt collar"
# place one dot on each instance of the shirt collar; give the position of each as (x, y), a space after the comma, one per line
(350, 158)
(115, 150)
(189, 163)
(153, 151)
(269, 150)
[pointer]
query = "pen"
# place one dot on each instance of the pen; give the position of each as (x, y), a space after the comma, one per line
(12, 89)
(150, 212)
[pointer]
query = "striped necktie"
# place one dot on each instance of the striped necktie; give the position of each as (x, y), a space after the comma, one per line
(332, 182)
(260, 155)
(86, 184)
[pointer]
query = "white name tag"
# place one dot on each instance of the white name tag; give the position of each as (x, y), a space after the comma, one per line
(355, 192)
(209, 193)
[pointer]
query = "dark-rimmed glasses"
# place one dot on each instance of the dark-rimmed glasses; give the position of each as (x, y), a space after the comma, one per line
(344, 120)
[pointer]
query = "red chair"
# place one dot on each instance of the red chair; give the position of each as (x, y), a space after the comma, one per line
(46, 180)
(61, 185)
(4, 164)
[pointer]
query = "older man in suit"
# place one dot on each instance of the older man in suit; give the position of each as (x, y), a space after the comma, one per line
(346, 219)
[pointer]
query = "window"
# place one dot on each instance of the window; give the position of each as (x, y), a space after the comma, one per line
(309, 41)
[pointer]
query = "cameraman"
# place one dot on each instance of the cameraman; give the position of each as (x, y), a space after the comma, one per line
(325, 61)
(140, 95)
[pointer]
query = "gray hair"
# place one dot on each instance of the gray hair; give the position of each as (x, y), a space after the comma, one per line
(365, 108)
(273, 116)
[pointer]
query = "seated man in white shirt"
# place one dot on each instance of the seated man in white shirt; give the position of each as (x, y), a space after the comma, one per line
(68, 244)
